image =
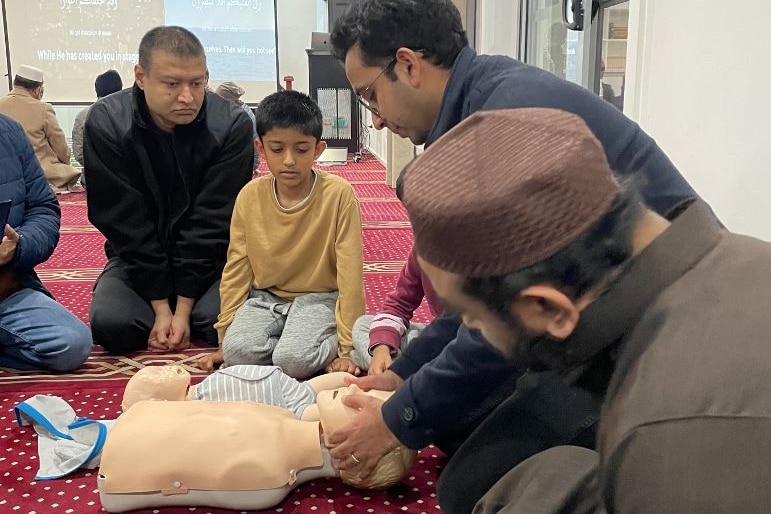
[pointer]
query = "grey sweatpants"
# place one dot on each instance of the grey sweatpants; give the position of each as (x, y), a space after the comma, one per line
(360, 354)
(299, 336)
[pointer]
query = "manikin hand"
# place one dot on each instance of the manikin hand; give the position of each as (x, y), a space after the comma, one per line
(343, 364)
(386, 381)
(8, 246)
(381, 359)
(367, 437)
(159, 334)
(210, 361)
(179, 334)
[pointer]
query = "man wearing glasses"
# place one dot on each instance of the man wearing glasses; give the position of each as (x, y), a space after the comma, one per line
(411, 67)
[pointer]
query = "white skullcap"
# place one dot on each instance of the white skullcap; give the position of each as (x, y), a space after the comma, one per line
(30, 73)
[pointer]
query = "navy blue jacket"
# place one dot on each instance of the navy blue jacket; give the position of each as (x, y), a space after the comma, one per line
(35, 213)
(447, 377)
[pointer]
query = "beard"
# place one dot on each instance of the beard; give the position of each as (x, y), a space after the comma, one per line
(528, 349)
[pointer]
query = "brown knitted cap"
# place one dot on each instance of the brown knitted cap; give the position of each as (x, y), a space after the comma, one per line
(506, 189)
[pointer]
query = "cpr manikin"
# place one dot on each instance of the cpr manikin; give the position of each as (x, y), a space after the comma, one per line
(262, 384)
(230, 454)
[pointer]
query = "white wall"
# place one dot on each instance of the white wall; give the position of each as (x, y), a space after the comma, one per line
(377, 142)
(296, 20)
(497, 27)
(699, 81)
(3, 61)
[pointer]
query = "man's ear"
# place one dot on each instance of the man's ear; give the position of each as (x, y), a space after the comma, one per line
(139, 76)
(413, 65)
(546, 310)
(258, 145)
(320, 147)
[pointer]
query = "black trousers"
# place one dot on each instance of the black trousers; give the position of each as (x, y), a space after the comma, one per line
(121, 319)
(543, 412)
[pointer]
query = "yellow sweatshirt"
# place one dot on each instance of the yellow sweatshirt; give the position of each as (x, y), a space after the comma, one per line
(315, 247)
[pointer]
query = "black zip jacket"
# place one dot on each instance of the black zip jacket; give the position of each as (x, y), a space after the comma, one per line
(164, 201)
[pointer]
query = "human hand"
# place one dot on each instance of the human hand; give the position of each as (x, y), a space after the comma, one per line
(359, 445)
(8, 245)
(210, 361)
(179, 333)
(381, 359)
(386, 381)
(343, 364)
(159, 334)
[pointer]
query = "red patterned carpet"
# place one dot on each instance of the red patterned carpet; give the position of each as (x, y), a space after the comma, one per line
(95, 390)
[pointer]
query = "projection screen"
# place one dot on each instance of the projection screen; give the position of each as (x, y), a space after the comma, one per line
(73, 41)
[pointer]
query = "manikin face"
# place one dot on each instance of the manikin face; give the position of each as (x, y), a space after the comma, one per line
(174, 88)
(334, 414)
(394, 104)
(169, 383)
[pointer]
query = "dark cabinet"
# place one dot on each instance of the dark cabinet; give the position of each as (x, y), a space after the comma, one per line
(330, 88)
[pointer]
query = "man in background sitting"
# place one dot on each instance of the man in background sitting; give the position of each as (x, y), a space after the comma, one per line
(24, 105)
(36, 332)
(165, 161)
(233, 92)
(105, 84)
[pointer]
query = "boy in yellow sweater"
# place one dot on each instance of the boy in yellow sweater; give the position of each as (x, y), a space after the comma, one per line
(292, 286)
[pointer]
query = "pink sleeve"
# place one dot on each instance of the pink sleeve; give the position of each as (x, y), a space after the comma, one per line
(399, 306)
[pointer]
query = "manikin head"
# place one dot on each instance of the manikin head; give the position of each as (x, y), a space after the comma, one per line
(170, 383)
(334, 414)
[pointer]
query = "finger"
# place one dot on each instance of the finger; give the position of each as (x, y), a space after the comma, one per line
(175, 335)
(366, 382)
(206, 362)
(366, 468)
(359, 401)
(157, 345)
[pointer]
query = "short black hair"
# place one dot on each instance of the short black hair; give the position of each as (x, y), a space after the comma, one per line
(178, 41)
(26, 83)
(107, 83)
(381, 27)
(289, 109)
(586, 263)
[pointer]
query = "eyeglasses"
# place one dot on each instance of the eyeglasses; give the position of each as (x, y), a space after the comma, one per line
(360, 95)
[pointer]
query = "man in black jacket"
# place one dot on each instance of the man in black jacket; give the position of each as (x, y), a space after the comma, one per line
(165, 161)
